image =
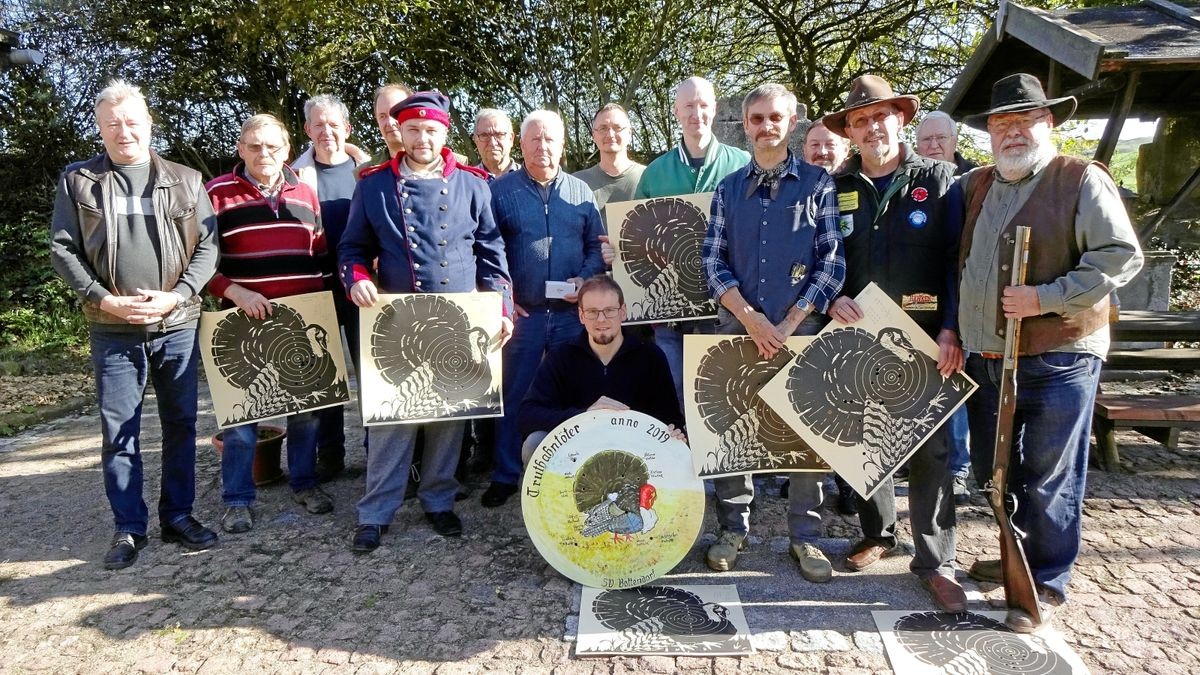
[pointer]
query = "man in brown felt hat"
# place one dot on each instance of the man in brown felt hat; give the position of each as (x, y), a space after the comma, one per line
(900, 220)
(1081, 249)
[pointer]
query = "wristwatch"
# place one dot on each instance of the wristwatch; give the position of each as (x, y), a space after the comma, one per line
(805, 306)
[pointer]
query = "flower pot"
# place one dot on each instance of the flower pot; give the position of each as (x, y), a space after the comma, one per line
(266, 453)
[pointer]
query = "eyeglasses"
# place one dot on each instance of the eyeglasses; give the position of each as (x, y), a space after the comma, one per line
(879, 118)
(1002, 126)
(940, 139)
(776, 118)
(257, 148)
(493, 135)
(608, 312)
(606, 129)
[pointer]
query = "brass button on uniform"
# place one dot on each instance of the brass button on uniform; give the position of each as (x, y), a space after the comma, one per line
(445, 191)
(445, 264)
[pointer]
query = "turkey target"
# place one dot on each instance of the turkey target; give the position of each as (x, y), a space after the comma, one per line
(426, 348)
(968, 642)
(279, 365)
(660, 242)
(751, 436)
(665, 620)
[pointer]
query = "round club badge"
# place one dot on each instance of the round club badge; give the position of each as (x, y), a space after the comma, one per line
(611, 500)
(920, 194)
(918, 219)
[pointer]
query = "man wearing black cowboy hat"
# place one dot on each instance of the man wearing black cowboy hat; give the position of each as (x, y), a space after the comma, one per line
(900, 220)
(1081, 249)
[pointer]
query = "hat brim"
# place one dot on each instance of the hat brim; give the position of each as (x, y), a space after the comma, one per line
(836, 121)
(1061, 108)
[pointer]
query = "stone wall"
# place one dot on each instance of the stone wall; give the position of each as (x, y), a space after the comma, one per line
(1166, 163)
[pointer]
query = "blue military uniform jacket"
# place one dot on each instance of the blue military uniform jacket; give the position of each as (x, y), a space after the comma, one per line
(430, 235)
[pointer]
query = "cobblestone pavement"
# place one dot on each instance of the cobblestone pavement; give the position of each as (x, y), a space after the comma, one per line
(290, 597)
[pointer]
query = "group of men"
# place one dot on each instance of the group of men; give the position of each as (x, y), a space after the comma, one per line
(791, 240)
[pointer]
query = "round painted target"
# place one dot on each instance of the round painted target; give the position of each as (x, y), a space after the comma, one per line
(664, 232)
(611, 500)
(420, 330)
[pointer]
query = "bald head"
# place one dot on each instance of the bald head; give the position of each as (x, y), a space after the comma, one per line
(695, 106)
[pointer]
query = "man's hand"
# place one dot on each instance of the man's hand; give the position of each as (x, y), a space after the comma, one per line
(791, 322)
(766, 337)
(135, 309)
(607, 252)
(677, 434)
(606, 403)
(520, 311)
(506, 331)
(1020, 301)
(950, 354)
(165, 301)
(363, 293)
(845, 310)
(574, 297)
(255, 305)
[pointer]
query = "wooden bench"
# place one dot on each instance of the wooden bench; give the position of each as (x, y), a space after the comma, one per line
(1178, 360)
(1159, 416)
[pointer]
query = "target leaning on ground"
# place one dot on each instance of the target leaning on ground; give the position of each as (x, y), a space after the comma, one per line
(610, 499)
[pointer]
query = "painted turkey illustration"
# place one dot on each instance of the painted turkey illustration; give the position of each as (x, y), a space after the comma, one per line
(280, 363)
(660, 246)
(662, 618)
(857, 389)
(750, 435)
(613, 491)
(425, 347)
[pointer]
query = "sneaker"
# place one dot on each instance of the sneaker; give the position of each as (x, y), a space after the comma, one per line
(1021, 622)
(962, 494)
(237, 519)
(445, 523)
(723, 553)
(814, 566)
(314, 500)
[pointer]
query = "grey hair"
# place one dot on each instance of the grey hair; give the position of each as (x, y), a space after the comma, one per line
(491, 114)
(118, 91)
(769, 91)
(939, 115)
(327, 102)
(546, 118)
(264, 120)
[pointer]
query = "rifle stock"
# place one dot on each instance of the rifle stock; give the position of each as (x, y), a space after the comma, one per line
(1019, 589)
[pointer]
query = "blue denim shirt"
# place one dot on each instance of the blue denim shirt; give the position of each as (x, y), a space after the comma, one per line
(780, 250)
(550, 240)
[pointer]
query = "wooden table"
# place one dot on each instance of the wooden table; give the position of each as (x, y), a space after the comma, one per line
(1159, 416)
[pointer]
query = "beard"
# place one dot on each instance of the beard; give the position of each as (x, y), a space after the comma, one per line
(1016, 163)
(604, 339)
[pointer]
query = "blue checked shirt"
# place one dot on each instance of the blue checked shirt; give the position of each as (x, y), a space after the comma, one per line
(778, 251)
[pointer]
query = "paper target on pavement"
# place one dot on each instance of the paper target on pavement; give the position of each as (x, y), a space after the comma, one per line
(732, 430)
(933, 643)
(661, 619)
(428, 356)
(610, 499)
(657, 244)
(865, 397)
(289, 362)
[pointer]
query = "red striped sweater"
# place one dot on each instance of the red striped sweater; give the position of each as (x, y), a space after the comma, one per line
(276, 251)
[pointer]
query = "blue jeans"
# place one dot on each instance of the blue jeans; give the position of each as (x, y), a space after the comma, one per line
(388, 469)
(532, 336)
(237, 460)
(930, 509)
(805, 489)
(959, 430)
(123, 362)
(1048, 472)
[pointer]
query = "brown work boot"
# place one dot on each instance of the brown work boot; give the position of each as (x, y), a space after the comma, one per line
(1021, 622)
(988, 571)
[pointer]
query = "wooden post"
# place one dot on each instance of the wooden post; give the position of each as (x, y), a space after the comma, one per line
(1116, 120)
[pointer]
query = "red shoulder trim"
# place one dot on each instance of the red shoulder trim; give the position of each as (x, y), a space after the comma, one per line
(367, 171)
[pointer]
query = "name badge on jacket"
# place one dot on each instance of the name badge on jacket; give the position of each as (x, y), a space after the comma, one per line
(918, 302)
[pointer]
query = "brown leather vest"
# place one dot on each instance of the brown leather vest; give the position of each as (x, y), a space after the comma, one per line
(1053, 251)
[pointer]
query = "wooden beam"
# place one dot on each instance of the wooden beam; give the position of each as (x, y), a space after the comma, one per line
(1054, 80)
(1076, 48)
(1097, 87)
(1146, 230)
(1184, 14)
(1116, 121)
(983, 51)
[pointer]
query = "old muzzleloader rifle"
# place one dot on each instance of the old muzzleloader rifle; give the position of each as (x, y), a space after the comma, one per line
(1019, 589)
